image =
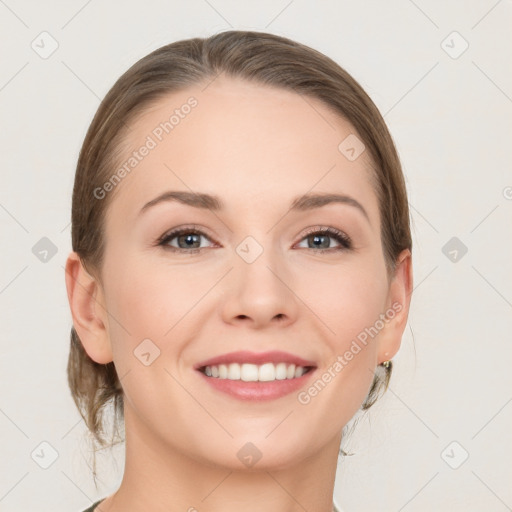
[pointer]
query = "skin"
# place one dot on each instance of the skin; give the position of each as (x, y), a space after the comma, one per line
(257, 148)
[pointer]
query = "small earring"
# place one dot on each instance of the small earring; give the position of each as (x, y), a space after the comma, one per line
(386, 364)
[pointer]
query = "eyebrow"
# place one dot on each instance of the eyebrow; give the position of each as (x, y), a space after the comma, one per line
(214, 203)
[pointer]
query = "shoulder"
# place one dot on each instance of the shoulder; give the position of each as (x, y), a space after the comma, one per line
(93, 506)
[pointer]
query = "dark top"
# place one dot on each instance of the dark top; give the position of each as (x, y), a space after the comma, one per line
(92, 507)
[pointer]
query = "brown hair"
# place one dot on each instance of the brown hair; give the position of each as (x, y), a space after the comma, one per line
(260, 57)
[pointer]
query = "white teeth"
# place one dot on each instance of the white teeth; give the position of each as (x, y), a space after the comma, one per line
(267, 372)
(223, 371)
(234, 371)
(252, 373)
(249, 372)
(281, 371)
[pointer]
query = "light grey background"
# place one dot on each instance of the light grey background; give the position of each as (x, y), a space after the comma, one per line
(451, 121)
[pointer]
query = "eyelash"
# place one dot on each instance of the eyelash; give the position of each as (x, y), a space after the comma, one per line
(343, 239)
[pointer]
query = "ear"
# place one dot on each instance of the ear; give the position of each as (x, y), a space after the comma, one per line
(397, 312)
(90, 318)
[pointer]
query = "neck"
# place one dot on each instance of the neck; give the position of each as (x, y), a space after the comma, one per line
(160, 477)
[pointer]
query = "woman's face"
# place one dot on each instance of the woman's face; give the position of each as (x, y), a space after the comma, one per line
(249, 272)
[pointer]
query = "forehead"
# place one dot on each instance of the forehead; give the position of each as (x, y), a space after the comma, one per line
(245, 142)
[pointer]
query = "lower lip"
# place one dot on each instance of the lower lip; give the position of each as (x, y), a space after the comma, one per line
(257, 390)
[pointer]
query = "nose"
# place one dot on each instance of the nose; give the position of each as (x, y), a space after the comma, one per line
(260, 293)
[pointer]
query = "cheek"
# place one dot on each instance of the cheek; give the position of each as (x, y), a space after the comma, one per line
(347, 299)
(145, 296)
(156, 302)
(350, 302)
(136, 307)
(148, 328)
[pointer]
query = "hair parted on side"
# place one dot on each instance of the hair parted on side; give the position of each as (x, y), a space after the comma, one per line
(260, 57)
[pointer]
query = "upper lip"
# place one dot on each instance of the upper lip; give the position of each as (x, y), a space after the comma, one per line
(258, 358)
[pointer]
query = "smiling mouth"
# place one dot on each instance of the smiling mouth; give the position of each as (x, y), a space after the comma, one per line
(248, 372)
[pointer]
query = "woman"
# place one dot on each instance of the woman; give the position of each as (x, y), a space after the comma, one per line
(241, 272)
